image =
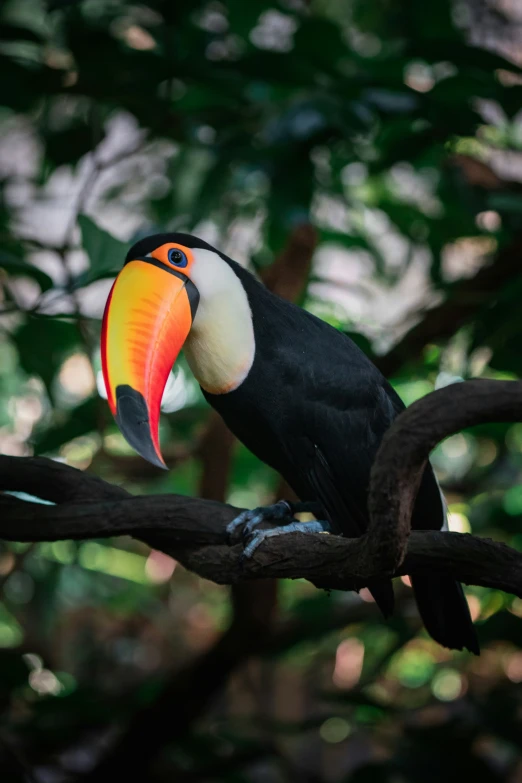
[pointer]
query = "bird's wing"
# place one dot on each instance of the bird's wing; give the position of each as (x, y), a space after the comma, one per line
(342, 445)
(345, 506)
(337, 474)
(337, 452)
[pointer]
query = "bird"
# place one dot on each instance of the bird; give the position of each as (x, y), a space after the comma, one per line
(297, 392)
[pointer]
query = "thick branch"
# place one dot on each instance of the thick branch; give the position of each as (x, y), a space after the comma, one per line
(404, 451)
(193, 530)
(53, 481)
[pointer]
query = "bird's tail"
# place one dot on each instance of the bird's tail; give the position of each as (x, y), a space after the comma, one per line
(382, 593)
(444, 611)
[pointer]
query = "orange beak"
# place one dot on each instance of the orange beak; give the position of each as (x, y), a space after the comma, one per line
(147, 318)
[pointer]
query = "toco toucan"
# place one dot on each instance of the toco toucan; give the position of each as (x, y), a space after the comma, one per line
(297, 392)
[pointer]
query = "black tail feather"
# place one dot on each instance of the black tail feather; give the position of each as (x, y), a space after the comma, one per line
(383, 596)
(444, 611)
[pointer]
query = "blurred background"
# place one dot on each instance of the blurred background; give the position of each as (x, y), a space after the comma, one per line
(366, 160)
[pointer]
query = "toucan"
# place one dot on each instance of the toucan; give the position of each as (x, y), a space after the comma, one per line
(297, 392)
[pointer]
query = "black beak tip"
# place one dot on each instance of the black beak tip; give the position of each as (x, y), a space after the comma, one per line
(155, 460)
(132, 418)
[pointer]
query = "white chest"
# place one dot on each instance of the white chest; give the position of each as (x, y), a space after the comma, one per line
(221, 346)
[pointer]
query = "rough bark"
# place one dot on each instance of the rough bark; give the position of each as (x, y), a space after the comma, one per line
(193, 530)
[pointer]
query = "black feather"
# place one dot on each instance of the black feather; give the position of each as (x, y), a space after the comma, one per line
(444, 611)
(146, 245)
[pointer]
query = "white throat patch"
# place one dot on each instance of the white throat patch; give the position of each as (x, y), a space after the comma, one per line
(220, 346)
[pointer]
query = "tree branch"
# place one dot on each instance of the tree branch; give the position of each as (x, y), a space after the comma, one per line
(193, 530)
(405, 449)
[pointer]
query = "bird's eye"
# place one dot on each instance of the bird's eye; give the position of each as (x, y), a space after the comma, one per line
(177, 257)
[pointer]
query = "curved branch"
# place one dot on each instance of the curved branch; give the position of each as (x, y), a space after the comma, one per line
(53, 481)
(193, 530)
(405, 448)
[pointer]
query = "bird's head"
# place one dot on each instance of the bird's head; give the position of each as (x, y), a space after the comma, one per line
(174, 290)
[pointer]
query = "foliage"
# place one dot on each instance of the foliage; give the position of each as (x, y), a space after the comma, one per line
(383, 126)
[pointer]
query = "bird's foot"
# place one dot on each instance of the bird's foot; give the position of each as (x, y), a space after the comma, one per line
(257, 538)
(248, 520)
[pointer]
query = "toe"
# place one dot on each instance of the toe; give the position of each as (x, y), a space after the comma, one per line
(233, 528)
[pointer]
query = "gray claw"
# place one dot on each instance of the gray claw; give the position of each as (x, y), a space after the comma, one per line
(316, 526)
(248, 520)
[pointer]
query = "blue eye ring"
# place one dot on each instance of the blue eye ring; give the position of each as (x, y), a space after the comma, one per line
(177, 257)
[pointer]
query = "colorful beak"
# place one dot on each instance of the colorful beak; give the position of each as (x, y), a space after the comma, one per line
(147, 318)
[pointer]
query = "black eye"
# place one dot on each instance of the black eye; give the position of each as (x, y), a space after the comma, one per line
(177, 257)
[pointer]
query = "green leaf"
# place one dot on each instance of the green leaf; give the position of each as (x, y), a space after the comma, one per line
(21, 86)
(346, 240)
(17, 267)
(434, 22)
(505, 202)
(70, 144)
(15, 32)
(243, 17)
(332, 48)
(43, 345)
(212, 188)
(69, 425)
(106, 253)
